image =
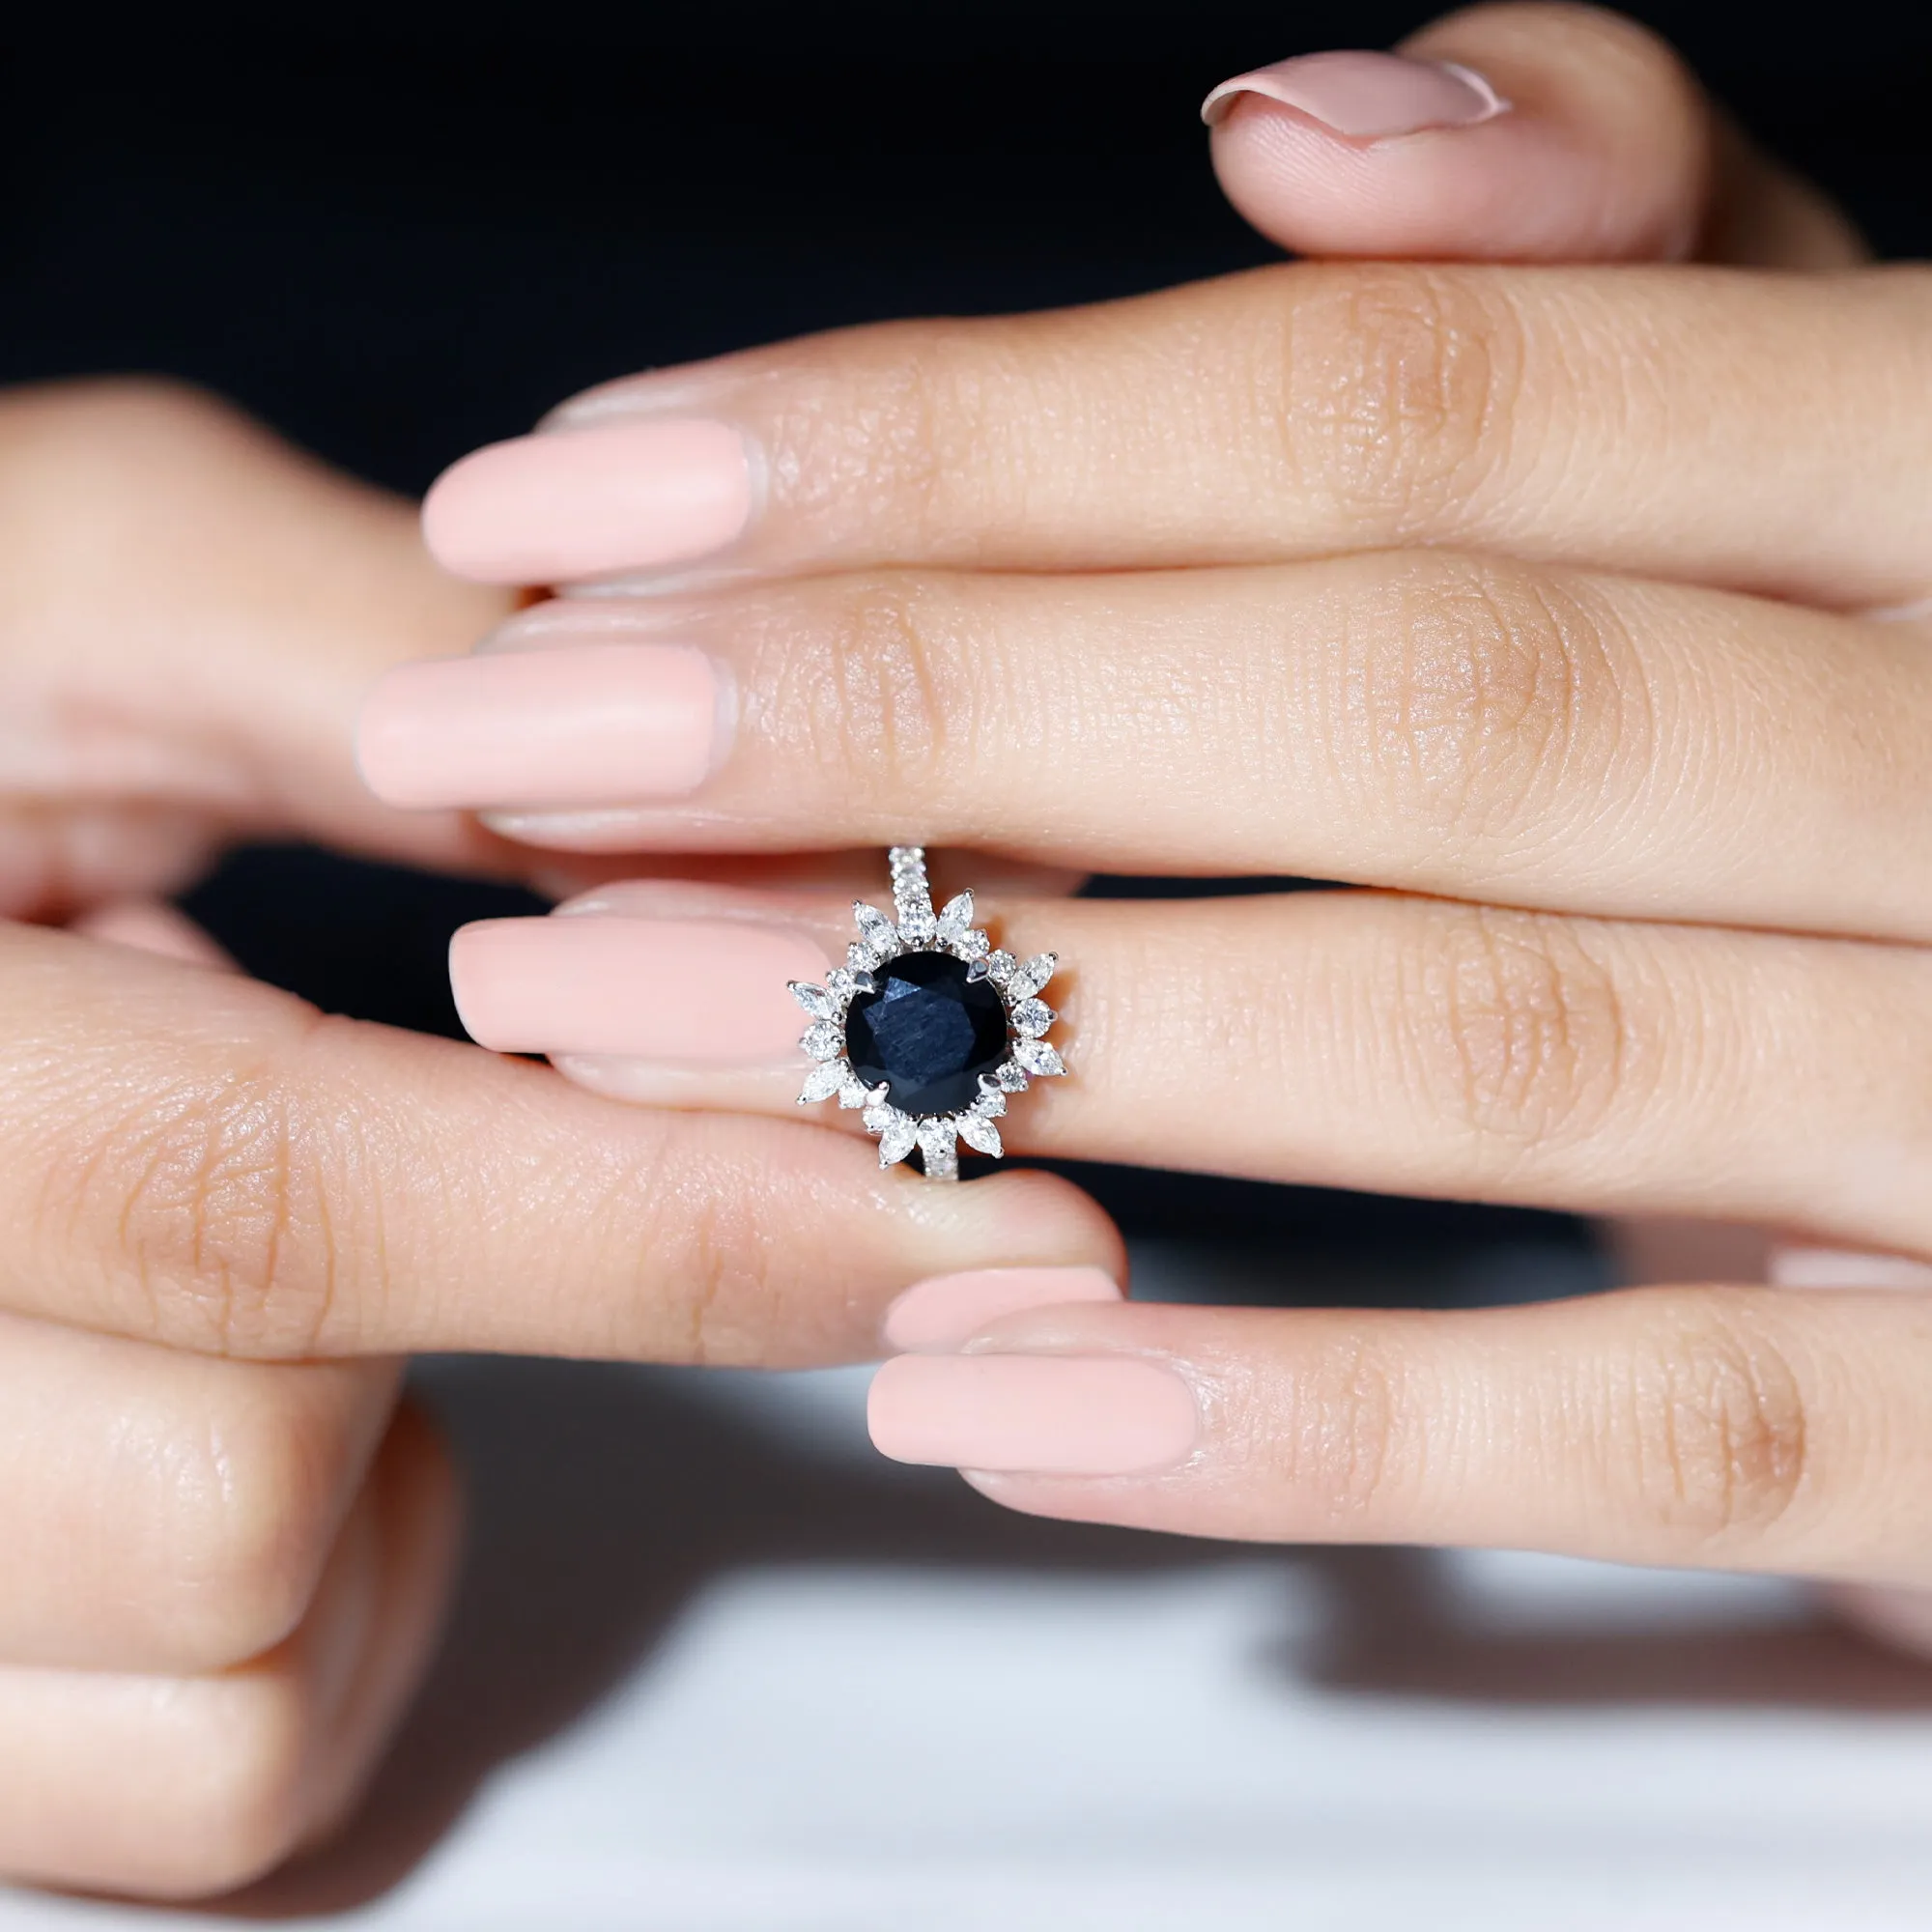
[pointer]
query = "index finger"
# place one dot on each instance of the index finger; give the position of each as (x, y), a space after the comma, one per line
(1736, 428)
(208, 1163)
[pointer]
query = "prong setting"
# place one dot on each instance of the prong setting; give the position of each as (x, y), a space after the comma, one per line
(917, 929)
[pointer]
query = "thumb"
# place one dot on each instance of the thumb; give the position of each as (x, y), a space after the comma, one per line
(1519, 133)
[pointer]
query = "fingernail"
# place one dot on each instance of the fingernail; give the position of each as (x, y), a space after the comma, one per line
(1837, 1267)
(580, 725)
(1914, 612)
(584, 502)
(1059, 1415)
(943, 1311)
(1366, 96)
(687, 992)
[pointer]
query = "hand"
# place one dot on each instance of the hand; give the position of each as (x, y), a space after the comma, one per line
(1523, 595)
(228, 1555)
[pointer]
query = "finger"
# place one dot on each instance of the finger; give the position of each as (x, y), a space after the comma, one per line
(153, 925)
(414, 1517)
(1900, 1618)
(1356, 1040)
(203, 1163)
(179, 1787)
(1793, 1267)
(1511, 134)
(191, 613)
(166, 1512)
(1762, 214)
(1437, 722)
(1724, 1427)
(1664, 1251)
(1284, 413)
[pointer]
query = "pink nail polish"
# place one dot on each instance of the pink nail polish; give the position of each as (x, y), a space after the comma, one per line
(685, 992)
(589, 725)
(943, 1311)
(1061, 1415)
(1366, 96)
(1838, 1267)
(584, 502)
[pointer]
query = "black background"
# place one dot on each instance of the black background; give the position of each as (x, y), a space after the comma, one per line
(410, 233)
(396, 232)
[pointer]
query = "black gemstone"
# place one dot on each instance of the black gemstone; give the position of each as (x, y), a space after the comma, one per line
(928, 1032)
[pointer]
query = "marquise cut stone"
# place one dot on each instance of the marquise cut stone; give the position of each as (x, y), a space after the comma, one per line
(928, 1032)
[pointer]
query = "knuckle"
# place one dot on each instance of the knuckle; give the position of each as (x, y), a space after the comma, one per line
(715, 1260)
(252, 1506)
(1398, 392)
(159, 1787)
(1351, 1447)
(1520, 1034)
(217, 1204)
(1493, 703)
(1712, 1428)
(232, 1766)
(869, 687)
(874, 430)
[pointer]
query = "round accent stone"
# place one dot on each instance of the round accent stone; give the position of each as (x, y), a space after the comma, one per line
(928, 1032)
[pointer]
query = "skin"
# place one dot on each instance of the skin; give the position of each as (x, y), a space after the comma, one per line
(228, 1216)
(1578, 610)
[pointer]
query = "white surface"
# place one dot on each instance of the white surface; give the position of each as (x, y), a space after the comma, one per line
(876, 1746)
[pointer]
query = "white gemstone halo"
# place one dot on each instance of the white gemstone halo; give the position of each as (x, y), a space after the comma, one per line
(918, 928)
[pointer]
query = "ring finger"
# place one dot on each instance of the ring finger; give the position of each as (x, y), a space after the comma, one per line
(1352, 1040)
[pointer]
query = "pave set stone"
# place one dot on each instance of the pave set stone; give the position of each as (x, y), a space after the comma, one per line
(925, 1028)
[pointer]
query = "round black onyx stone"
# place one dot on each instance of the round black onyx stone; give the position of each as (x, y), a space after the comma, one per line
(927, 1032)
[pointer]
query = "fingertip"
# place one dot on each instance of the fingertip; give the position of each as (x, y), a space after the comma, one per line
(153, 925)
(944, 1311)
(1534, 133)
(465, 526)
(1022, 1217)
(584, 502)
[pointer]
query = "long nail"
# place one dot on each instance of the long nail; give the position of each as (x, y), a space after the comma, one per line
(946, 1310)
(580, 725)
(681, 992)
(1061, 1415)
(584, 502)
(1366, 96)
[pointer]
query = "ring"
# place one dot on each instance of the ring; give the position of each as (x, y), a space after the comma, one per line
(926, 1027)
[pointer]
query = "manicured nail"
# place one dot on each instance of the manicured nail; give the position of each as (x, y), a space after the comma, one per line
(943, 1311)
(1836, 1267)
(1366, 96)
(584, 502)
(1914, 612)
(1058, 1415)
(685, 992)
(581, 725)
